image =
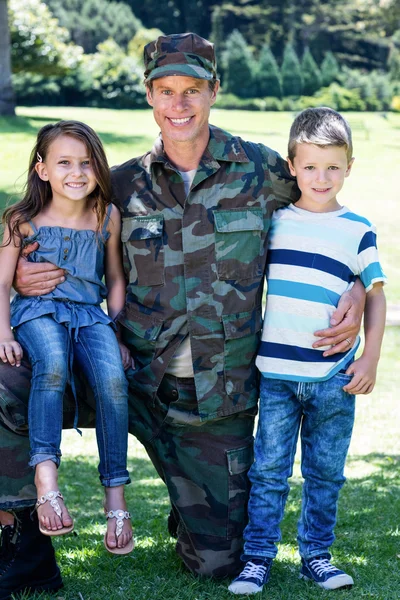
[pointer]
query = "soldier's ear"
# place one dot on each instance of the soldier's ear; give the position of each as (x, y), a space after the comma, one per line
(214, 92)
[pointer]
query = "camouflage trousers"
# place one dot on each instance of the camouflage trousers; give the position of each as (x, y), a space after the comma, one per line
(204, 465)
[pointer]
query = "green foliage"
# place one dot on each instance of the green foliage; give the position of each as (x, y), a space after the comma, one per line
(239, 67)
(329, 69)
(138, 42)
(311, 74)
(267, 75)
(373, 88)
(292, 80)
(113, 78)
(38, 43)
(394, 63)
(93, 21)
(232, 102)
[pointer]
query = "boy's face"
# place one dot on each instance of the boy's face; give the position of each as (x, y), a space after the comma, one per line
(320, 174)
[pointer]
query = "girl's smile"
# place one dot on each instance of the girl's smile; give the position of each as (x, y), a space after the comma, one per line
(67, 167)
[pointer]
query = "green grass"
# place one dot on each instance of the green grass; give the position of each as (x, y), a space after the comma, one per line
(371, 190)
(368, 529)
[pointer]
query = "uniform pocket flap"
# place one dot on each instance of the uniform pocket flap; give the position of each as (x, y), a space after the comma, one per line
(241, 324)
(142, 228)
(145, 326)
(240, 460)
(243, 219)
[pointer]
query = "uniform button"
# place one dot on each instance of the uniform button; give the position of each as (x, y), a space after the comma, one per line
(67, 238)
(66, 251)
(174, 393)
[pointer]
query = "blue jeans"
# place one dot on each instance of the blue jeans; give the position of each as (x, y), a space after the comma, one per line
(324, 415)
(96, 352)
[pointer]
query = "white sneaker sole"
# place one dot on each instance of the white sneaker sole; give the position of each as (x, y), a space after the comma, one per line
(333, 583)
(244, 588)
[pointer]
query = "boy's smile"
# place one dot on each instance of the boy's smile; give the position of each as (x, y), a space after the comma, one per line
(320, 173)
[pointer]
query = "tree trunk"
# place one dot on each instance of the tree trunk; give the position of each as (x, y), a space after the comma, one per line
(7, 101)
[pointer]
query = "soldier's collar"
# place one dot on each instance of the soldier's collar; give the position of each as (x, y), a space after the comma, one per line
(221, 146)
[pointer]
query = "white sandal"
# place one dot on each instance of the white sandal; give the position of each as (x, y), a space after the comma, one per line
(119, 515)
(52, 498)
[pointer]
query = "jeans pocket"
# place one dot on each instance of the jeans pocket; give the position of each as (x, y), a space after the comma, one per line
(239, 462)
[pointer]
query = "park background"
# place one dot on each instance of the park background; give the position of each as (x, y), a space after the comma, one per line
(82, 60)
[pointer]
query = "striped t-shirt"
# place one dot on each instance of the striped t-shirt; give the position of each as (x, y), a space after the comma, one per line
(313, 259)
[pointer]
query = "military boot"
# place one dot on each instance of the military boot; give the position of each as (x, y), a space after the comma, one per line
(27, 560)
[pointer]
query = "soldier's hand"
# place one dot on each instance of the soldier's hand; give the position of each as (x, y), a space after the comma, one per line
(36, 279)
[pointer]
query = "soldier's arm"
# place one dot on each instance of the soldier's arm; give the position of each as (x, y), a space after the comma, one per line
(284, 185)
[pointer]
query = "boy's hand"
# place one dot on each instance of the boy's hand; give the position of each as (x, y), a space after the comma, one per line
(364, 376)
(127, 360)
(11, 351)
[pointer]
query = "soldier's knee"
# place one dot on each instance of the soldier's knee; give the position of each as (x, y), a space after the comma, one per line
(210, 556)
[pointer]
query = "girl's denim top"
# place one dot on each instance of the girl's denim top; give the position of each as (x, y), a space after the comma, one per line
(76, 301)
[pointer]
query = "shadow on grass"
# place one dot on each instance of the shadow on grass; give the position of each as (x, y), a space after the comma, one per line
(366, 547)
(28, 125)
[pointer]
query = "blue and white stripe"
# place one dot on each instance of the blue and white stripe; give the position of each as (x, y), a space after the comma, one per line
(313, 259)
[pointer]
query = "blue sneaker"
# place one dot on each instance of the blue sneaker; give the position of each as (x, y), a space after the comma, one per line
(323, 573)
(254, 575)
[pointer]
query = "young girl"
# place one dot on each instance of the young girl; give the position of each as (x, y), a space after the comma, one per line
(67, 210)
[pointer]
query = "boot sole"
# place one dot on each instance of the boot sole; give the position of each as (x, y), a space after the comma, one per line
(54, 584)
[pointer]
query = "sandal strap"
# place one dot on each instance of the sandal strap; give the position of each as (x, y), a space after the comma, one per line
(52, 498)
(119, 515)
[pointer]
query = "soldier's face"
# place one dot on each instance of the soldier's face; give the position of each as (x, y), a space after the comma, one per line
(181, 107)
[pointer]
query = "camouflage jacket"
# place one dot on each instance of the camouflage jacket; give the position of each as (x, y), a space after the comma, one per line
(195, 265)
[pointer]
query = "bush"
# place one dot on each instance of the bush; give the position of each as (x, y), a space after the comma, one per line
(396, 103)
(232, 102)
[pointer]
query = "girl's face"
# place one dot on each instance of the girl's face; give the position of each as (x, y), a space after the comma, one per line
(68, 170)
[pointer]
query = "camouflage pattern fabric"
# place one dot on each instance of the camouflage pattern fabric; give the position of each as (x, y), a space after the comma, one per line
(195, 265)
(185, 54)
(204, 465)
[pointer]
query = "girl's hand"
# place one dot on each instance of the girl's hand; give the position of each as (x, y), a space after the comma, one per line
(11, 351)
(364, 376)
(127, 360)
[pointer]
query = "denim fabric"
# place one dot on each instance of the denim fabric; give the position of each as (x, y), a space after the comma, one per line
(96, 352)
(324, 415)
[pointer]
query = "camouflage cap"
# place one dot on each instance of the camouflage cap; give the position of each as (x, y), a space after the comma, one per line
(185, 54)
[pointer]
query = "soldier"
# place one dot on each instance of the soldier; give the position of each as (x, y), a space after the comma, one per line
(195, 212)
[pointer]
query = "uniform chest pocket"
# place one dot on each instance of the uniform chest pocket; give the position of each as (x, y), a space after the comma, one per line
(142, 238)
(238, 243)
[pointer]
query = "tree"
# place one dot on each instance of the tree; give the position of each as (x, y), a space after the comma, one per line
(311, 74)
(7, 102)
(39, 44)
(94, 21)
(329, 69)
(239, 67)
(140, 39)
(292, 80)
(268, 78)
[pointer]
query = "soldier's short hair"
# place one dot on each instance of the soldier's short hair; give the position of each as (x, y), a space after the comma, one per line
(320, 126)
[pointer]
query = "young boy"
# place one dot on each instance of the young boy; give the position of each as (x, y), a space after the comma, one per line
(317, 248)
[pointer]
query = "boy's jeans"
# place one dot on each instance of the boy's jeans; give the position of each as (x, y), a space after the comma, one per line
(97, 353)
(324, 414)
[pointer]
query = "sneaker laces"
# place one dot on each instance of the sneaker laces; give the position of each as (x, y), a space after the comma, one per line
(252, 570)
(322, 566)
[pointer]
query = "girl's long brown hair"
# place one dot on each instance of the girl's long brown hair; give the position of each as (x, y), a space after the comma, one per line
(37, 193)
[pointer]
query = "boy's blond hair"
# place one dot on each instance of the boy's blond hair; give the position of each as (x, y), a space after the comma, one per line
(320, 126)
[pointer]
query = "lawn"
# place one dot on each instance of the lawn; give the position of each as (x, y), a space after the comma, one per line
(368, 530)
